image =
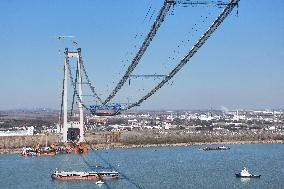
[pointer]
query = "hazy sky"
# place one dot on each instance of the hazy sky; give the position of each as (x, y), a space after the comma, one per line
(240, 66)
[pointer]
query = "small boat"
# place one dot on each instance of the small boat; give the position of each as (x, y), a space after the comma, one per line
(75, 175)
(216, 148)
(245, 174)
(46, 154)
(28, 152)
(100, 182)
(46, 151)
(63, 150)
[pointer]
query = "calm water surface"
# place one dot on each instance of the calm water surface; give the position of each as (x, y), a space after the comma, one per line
(161, 167)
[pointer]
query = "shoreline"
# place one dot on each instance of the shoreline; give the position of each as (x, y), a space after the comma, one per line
(117, 145)
(129, 146)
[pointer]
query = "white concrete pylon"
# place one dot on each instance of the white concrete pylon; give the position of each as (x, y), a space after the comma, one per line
(65, 98)
(66, 124)
(80, 105)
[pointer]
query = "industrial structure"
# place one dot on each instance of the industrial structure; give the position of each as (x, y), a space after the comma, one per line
(74, 130)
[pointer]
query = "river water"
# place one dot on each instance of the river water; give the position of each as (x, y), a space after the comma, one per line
(157, 167)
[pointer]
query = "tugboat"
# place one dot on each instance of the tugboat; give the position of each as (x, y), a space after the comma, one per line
(245, 174)
(75, 175)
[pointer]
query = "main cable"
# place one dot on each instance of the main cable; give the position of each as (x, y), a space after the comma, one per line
(227, 10)
(160, 18)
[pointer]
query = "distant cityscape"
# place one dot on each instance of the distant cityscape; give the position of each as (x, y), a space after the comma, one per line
(17, 123)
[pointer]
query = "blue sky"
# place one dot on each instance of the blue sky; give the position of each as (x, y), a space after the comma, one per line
(240, 66)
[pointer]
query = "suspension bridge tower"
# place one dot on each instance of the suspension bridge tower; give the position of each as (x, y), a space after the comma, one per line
(72, 130)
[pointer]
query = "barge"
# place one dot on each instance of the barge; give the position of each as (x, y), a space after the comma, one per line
(75, 175)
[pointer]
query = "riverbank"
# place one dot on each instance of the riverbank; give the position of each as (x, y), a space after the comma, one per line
(143, 139)
(13, 144)
(118, 145)
(126, 146)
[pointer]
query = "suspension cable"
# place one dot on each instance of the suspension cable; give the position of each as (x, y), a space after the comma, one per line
(74, 85)
(160, 18)
(89, 81)
(227, 10)
(73, 98)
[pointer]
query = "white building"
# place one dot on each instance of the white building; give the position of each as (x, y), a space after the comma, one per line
(28, 131)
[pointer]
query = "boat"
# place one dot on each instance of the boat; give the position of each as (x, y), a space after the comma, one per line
(28, 152)
(80, 148)
(63, 149)
(216, 148)
(223, 148)
(45, 151)
(245, 174)
(75, 175)
(100, 182)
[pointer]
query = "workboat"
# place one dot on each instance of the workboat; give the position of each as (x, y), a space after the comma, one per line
(223, 148)
(75, 175)
(216, 148)
(45, 151)
(100, 182)
(245, 174)
(28, 152)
